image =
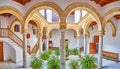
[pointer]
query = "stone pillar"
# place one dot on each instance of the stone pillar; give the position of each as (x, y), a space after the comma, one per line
(24, 50)
(47, 41)
(40, 45)
(100, 51)
(85, 44)
(78, 43)
(62, 50)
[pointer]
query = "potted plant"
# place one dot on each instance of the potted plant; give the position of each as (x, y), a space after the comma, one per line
(53, 63)
(88, 62)
(74, 64)
(36, 63)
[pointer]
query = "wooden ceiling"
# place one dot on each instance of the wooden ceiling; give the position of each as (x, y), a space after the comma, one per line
(23, 2)
(6, 14)
(104, 2)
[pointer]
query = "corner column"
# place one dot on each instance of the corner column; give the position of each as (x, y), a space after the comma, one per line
(62, 49)
(100, 51)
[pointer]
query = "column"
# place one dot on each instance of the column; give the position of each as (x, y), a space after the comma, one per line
(62, 50)
(47, 40)
(40, 48)
(24, 50)
(78, 43)
(100, 51)
(85, 44)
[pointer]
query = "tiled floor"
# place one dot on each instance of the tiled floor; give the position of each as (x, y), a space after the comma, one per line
(110, 64)
(106, 65)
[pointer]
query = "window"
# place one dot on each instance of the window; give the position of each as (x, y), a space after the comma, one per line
(49, 15)
(16, 28)
(76, 15)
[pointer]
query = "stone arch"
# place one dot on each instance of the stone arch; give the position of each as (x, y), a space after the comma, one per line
(75, 32)
(34, 10)
(112, 27)
(84, 6)
(49, 32)
(42, 5)
(13, 11)
(37, 19)
(109, 14)
(13, 24)
(87, 24)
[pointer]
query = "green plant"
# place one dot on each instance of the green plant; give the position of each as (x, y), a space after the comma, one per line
(49, 51)
(36, 63)
(74, 64)
(45, 55)
(53, 63)
(74, 52)
(67, 51)
(88, 62)
(57, 52)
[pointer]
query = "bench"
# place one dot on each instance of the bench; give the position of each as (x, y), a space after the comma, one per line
(110, 56)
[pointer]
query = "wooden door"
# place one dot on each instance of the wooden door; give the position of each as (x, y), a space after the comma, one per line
(92, 48)
(96, 39)
(1, 51)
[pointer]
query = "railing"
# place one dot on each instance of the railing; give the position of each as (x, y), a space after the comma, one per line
(5, 32)
(36, 47)
(15, 38)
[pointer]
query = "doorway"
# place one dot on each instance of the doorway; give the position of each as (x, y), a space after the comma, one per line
(1, 51)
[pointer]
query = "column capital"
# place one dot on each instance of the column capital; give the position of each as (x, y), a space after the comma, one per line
(62, 30)
(24, 30)
(85, 35)
(77, 37)
(101, 32)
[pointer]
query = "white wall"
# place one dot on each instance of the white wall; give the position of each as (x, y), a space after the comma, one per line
(19, 34)
(72, 40)
(9, 52)
(4, 22)
(56, 36)
(81, 44)
(110, 43)
(33, 39)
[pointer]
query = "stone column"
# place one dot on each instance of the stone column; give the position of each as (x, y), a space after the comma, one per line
(62, 50)
(85, 44)
(100, 51)
(40, 45)
(78, 43)
(24, 50)
(47, 41)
